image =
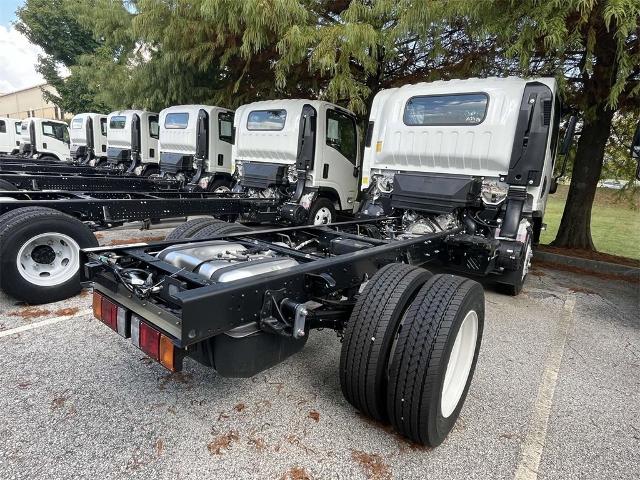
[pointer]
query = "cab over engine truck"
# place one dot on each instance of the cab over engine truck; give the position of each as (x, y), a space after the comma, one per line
(132, 142)
(195, 146)
(89, 139)
(9, 136)
(44, 140)
(305, 152)
(477, 154)
(454, 172)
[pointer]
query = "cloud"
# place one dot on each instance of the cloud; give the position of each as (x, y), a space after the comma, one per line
(18, 59)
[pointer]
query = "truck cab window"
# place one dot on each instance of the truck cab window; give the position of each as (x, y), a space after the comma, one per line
(118, 122)
(225, 126)
(154, 127)
(55, 130)
(176, 120)
(3, 126)
(103, 126)
(266, 120)
(18, 128)
(442, 110)
(341, 134)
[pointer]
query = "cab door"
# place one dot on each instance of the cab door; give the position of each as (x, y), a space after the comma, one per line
(55, 140)
(337, 168)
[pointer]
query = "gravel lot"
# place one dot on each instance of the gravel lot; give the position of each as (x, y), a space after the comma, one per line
(556, 395)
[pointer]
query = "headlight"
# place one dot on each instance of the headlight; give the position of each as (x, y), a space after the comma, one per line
(292, 173)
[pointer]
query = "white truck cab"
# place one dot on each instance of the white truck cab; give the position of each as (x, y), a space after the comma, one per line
(195, 145)
(9, 135)
(477, 151)
(306, 151)
(45, 139)
(132, 141)
(89, 138)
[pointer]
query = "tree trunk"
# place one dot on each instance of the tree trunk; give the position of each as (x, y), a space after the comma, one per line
(575, 226)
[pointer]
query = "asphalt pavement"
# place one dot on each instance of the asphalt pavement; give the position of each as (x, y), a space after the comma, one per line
(556, 394)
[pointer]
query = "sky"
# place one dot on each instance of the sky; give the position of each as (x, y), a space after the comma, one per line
(18, 57)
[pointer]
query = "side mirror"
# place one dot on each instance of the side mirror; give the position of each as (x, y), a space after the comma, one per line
(568, 135)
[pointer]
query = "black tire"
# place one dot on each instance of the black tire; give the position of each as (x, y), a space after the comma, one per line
(321, 203)
(217, 183)
(421, 356)
(7, 186)
(20, 226)
(191, 227)
(150, 170)
(370, 333)
(221, 228)
(101, 164)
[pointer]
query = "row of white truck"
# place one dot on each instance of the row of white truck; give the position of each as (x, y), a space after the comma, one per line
(478, 154)
(455, 127)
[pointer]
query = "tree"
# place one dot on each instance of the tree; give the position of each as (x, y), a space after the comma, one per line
(51, 25)
(593, 48)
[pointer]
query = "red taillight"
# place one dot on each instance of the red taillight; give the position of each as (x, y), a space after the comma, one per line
(150, 341)
(109, 314)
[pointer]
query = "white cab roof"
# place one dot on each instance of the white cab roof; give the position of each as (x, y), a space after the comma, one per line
(480, 148)
(278, 146)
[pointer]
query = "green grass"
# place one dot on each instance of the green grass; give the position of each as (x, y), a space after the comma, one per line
(615, 221)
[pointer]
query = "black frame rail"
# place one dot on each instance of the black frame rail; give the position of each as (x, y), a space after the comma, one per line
(111, 208)
(207, 309)
(94, 181)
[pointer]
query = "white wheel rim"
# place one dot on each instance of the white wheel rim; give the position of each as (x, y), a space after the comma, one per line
(527, 260)
(323, 216)
(48, 259)
(459, 365)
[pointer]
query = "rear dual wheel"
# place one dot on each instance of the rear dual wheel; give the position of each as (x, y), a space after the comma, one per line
(40, 254)
(410, 349)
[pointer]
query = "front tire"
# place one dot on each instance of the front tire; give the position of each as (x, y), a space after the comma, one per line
(7, 186)
(219, 229)
(189, 228)
(40, 254)
(322, 212)
(219, 185)
(435, 358)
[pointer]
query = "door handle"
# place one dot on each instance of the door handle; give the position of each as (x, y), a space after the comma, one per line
(44, 145)
(325, 171)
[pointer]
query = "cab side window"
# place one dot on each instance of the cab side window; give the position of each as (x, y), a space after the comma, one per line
(225, 126)
(3, 126)
(55, 130)
(341, 134)
(103, 126)
(154, 127)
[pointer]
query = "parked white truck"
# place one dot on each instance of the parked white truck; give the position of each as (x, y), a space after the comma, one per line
(9, 135)
(45, 139)
(89, 138)
(477, 153)
(132, 141)
(304, 151)
(195, 146)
